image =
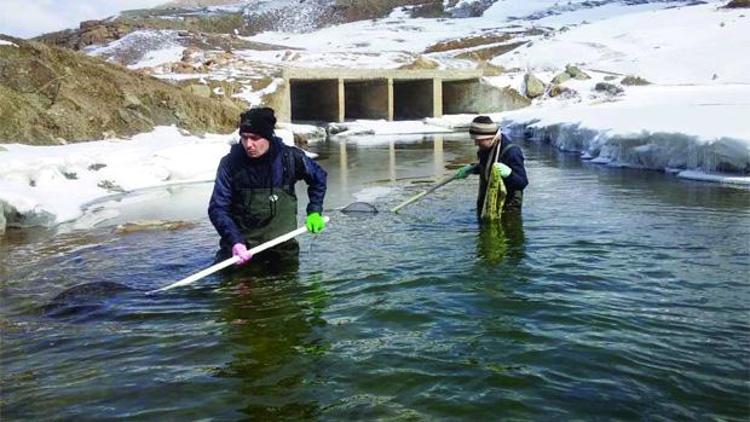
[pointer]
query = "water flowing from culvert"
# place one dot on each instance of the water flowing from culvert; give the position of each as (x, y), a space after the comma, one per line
(622, 294)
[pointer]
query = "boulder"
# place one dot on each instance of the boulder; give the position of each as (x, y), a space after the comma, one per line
(576, 73)
(608, 88)
(738, 4)
(561, 91)
(533, 86)
(560, 78)
(634, 80)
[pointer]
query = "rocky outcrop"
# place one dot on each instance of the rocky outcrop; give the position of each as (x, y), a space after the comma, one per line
(52, 95)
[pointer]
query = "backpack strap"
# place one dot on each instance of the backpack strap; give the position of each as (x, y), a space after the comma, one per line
(506, 147)
(292, 162)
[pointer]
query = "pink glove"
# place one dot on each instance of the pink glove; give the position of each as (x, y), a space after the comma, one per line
(240, 251)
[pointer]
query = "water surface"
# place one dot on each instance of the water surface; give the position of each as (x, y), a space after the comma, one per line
(620, 294)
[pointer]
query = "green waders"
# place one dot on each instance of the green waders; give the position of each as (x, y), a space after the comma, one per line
(263, 214)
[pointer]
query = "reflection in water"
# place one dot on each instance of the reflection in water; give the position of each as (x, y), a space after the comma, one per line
(438, 156)
(392, 161)
(498, 240)
(343, 166)
(271, 320)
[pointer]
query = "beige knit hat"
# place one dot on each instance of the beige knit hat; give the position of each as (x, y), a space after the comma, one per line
(482, 127)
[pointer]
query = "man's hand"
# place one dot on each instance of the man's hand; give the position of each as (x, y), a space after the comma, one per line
(240, 251)
(315, 223)
(464, 171)
(505, 171)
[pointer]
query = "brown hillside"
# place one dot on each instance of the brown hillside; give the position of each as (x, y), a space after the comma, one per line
(50, 95)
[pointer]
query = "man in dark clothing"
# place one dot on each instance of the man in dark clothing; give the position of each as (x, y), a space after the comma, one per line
(495, 149)
(253, 200)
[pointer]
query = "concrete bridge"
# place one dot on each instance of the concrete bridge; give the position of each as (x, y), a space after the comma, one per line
(338, 94)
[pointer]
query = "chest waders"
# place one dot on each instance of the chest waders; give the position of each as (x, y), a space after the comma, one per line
(263, 214)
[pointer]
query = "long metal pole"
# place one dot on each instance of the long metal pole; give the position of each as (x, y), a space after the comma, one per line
(227, 262)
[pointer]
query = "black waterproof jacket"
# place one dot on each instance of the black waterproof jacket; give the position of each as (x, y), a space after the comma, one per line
(271, 170)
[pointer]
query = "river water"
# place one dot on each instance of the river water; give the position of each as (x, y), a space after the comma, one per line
(621, 294)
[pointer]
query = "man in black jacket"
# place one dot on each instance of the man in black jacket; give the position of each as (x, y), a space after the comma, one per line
(253, 200)
(509, 161)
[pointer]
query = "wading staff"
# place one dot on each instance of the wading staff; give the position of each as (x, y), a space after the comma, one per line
(233, 260)
(419, 196)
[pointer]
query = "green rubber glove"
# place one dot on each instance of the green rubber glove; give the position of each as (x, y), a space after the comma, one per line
(315, 222)
(505, 171)
(464, 171)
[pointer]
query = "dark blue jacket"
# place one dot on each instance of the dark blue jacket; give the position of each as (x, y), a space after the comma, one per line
(266, 171)
(512, 158)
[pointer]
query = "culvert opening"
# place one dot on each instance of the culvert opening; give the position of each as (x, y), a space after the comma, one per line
(412, 99)
(463, 96)
(366, 99)
(314, 100)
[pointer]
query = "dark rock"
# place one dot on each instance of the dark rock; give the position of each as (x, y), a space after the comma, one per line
(609, 89)
(738, 4)
(634, 80)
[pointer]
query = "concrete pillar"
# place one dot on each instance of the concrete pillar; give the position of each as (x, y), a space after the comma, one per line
(437, 97)
(390, 99)
(342, 101)
(284, 109)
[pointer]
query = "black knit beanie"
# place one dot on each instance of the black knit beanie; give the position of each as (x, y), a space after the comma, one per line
(259, 120)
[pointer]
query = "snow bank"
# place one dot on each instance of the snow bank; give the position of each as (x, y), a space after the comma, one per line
(48, 185)
(697, 128)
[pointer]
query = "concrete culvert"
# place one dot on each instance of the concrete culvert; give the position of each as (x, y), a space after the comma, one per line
(412, 99)
(366, 99)
(315, 100)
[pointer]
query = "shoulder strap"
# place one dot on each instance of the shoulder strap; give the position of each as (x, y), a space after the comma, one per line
(506, 147)
(293, 162)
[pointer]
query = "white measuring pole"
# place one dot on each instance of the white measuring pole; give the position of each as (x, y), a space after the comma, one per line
(233, 260)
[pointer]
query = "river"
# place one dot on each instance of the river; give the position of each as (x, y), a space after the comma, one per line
(621, 294)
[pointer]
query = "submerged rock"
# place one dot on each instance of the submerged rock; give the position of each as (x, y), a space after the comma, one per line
(144, 225)
(83, 300)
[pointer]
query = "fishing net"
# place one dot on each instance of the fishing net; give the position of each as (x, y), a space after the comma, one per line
(359, 208)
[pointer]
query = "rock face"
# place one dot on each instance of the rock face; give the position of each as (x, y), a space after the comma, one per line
(50, 95)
